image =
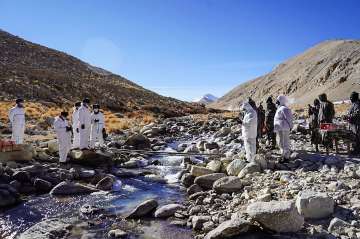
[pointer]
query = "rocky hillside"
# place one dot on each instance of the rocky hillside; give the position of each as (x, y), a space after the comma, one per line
(332, 67)
(39, 73)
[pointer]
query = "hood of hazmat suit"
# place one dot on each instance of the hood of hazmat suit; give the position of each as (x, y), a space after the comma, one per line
(283, 119)
(249, 122)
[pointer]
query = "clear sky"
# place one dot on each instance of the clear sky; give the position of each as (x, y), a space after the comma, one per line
(182, 48)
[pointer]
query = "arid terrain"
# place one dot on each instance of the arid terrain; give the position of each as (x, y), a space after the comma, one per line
(331, 67)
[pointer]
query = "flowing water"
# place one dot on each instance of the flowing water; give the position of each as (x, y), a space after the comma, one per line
(132, 192)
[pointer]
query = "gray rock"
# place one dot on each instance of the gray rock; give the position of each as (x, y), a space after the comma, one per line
(42, 185)
(197, 171)
(168, 210)
(138, 141)
(144, 209)
(90, 158)
(44, 229)
(314, 205)
(117, 233)
(249, 169)
(278, 216)
(187, 179)
(8, 196)
(337, 226)
(198, 222)
(194, 189)
(235, 166)
(207, 181)
(214, 165)
(105, 183)
(22, 176)
(228, 184)
(230, 228)
(70, 188)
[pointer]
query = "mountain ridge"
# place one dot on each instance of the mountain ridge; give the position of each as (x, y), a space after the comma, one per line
(39, 73)
(331, 67)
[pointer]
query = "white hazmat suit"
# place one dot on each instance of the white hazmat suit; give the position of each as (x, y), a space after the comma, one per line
(283, 123)
(17, 120)
(75, 125)
(249, 131)
(84, 126)
(97, 125)
(63, 136)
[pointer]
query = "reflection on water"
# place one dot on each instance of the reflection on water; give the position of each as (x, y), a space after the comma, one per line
(133, 191)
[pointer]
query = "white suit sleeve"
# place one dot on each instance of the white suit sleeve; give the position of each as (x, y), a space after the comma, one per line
(11, 115)
(81, 116)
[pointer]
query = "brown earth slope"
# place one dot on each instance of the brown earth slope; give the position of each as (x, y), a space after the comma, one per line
(332, 67)
(38, 73)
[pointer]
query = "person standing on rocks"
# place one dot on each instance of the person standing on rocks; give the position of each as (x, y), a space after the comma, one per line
(75, 126)
(63, 134)
(326, 115)
(253, 105)
(249, 131)
(17, 120)
(353, 117)
(261, 121)
(269, 122)
(314, 124)
(97, 126)
(283, 123)
(84, 124)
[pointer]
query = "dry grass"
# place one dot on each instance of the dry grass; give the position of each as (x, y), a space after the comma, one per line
(37, 113)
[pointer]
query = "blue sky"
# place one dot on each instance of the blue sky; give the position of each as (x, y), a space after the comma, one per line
(182, 48)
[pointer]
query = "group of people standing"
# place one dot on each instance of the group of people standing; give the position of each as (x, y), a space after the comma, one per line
(323, 111)
(85, 131)
(276, 122)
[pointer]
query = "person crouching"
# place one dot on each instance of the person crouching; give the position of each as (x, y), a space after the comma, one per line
(283, 123)
(249, 131)
(63, 133)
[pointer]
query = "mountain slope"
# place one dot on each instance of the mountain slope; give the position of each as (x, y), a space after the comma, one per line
(331, 67)
(39, 73)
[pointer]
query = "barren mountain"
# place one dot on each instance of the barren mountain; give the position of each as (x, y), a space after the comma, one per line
(206, 99)
(331, 67)
(39, 73)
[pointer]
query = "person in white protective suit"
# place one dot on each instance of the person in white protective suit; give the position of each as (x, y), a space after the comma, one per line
(75, 126)
(249, 131)
(84, 124)
(283, 123)
(97, 126)
(63, 134)
(17, 120)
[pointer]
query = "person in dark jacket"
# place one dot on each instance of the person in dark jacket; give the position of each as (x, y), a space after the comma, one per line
(326, 110)
(353, 116)
(314, 124)
(326, 115)
(261, 120)
(269, 122)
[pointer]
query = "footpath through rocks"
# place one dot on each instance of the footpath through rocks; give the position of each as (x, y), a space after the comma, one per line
(113, 194)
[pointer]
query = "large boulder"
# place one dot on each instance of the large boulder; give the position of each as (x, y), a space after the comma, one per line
(70, 188)
(52, 145)
(143, 209)
(138, 141)
(278, 216)
(214, 165)
(228, 184)
(249, 169)
(168, 210)
(207, 181)
(89, 157)
(314, 205)
(105, 184)
(42, 185)
(24, 153)
(46, 229)
(235, 166)
(8, 195)
(229, 229)
(187, 179)
(197, 171)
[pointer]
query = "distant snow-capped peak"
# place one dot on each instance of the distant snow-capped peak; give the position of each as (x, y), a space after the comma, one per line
(206, 99)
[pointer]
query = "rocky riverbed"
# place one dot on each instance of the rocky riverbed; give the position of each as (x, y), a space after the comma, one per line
(110, 193)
